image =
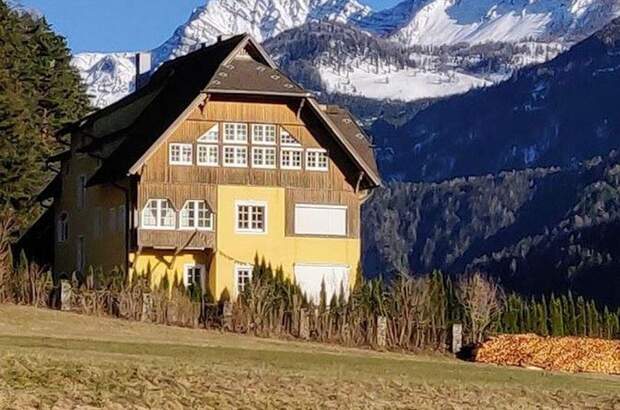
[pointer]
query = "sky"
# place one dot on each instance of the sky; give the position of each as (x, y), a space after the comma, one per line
(123, 25)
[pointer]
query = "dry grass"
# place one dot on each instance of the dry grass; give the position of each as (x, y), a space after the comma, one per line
(54, 360)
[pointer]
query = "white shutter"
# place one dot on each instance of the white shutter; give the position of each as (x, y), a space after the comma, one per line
(320, 220)
(310, 276)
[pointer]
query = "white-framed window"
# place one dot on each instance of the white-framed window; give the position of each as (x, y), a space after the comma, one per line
(212, 135)
(235, 133)
(286, 139)
(180, 154)
(251, 217)
(80, 254)
(196, 215)
(243, 276)
(207, 155)
(313, 219)
(81, 191)
(291, 158)
(193, 275)
(63, 227)
(316, 159)
(264, 157)
(158, 214)
(235, 156)
(264, 134)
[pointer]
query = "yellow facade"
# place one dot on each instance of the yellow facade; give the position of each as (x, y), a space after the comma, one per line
(235, 248)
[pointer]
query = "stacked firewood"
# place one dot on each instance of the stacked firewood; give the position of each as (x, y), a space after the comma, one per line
(571, 354)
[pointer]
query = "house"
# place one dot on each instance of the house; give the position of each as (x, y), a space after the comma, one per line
(217, 158)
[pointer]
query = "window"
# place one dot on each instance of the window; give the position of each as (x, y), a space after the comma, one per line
(236, 133)
(264, 134)
(251, 217)
(235, 156)
(211, 135)
(264, 157)
(121, 218)
(196, 215)
(316, 159)
(286, 139)
(320, 219)
(243, 276)
(291, 158)
(207, 155)
(311, 277)
(158, 213)
(180, 154)
(112, 220)
(63, 227)
(81, 191)
(80, 255)
(192, 275)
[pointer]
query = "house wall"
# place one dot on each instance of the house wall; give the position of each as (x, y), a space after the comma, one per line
(160, 263)
(104, 245)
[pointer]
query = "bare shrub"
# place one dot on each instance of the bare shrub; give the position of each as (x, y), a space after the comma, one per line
(482, 301)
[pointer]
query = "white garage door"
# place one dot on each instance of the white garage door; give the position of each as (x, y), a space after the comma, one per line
(320, 219)
(309, 278)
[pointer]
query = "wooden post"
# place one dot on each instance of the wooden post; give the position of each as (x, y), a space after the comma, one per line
(65, 295)
(381, 332)
(147, 307)
(457, 337)
(227, 316)
(304, 325)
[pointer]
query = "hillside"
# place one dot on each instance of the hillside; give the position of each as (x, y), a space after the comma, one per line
(557, 113)
(52, 359)
(538, 230)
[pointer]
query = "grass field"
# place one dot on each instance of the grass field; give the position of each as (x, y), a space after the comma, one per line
(57, 360)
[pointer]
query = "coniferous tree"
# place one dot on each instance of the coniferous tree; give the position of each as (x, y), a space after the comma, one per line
(40, 92)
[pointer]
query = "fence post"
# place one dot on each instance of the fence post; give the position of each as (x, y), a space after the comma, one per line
(227, 316)
(457, 337)
(381, 332)
(65, 295)
(147, 307)
(304, 325)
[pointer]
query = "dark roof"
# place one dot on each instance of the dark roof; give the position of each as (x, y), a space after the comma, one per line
(179, 87)
(249, 76)
(51, 190)
(347, 124)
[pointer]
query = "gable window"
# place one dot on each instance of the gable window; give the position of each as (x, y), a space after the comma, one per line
(207, 155)
(235, 133)
(211, 135)
(243, 276)
(192, 275)
(235, 156)
(291, 158)
(264, 134)
(180, 154)
(63, 227)
(318, 219)
(158, 214)
(251, 217)
(264, 157)
(196, 215)
(286, 139)
(316, 159)
(81, 191)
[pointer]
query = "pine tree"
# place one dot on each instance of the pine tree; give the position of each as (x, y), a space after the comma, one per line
(581, 318)
(40, 92)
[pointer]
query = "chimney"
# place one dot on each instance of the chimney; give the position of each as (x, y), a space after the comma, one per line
(143, 69)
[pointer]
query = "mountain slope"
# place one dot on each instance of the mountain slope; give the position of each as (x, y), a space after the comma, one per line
(539, 231)
(557, 113)
(555, 24)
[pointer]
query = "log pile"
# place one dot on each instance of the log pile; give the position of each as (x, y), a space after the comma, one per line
(571, 354)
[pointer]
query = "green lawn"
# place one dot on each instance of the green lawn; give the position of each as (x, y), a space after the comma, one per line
(50, 359)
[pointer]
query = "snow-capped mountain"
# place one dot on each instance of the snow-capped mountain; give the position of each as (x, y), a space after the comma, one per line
(552, 25)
